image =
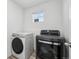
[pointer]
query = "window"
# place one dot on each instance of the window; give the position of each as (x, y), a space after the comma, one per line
(38, 16)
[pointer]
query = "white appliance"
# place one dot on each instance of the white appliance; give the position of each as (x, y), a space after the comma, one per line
(22, 45)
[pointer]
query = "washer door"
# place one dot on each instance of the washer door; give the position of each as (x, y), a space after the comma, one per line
(17, 45)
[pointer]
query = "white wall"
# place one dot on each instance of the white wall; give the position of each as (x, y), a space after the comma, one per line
(66, 17)
(53, 17)
(14, 22)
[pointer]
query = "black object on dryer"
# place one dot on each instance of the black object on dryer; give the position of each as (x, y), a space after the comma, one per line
(50, 32)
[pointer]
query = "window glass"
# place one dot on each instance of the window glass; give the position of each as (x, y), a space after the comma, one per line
(38, 16)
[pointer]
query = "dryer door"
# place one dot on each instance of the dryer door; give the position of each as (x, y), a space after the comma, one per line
(45, 50)
(17, 45)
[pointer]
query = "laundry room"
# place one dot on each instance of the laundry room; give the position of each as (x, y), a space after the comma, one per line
(30, 23)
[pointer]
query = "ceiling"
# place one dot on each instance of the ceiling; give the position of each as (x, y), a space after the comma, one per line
(29, 3)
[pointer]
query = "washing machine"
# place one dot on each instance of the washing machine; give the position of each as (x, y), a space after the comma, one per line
(22, 45)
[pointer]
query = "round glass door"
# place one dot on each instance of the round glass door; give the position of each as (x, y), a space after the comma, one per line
(17, 45)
